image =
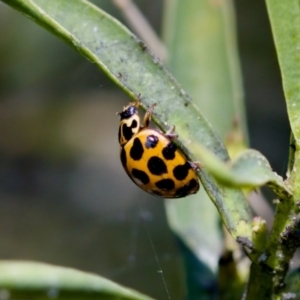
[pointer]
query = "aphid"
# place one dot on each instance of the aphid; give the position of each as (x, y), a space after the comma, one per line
(151, 159)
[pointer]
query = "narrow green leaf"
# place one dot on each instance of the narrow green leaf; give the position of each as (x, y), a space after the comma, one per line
(31, 280)
(109, 45)
(285, 23)
(203, 56)
(250, 169)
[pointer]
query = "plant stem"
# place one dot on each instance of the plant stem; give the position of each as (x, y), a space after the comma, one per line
(268, 272)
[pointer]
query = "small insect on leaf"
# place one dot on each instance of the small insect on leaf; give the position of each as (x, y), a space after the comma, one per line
(151, 159)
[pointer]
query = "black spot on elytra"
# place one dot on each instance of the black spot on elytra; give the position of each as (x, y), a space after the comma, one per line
(140, 175)
(137, 150)
(169, 151)
(151, 141)
(165, 184)
(156, 166)
(186, 189)
(127, 132)
(123, 157)
(180, 172)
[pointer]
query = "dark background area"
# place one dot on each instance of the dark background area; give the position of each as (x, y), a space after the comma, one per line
(65, 198)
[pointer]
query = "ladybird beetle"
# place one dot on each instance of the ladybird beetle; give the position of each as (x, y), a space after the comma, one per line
(151, 159)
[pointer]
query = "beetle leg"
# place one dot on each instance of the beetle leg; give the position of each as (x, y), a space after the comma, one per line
(147, 117)
(170, 133)
(196, 165)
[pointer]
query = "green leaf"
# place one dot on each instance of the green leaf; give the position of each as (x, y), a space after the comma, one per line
(250, 169)
(203, 56)
(285, 23)
(30, 280)
(126, 60)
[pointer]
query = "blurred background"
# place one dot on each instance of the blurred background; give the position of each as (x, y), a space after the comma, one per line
(65, 198)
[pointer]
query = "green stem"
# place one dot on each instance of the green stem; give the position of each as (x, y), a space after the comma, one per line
(259, 286)
(268, 272)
